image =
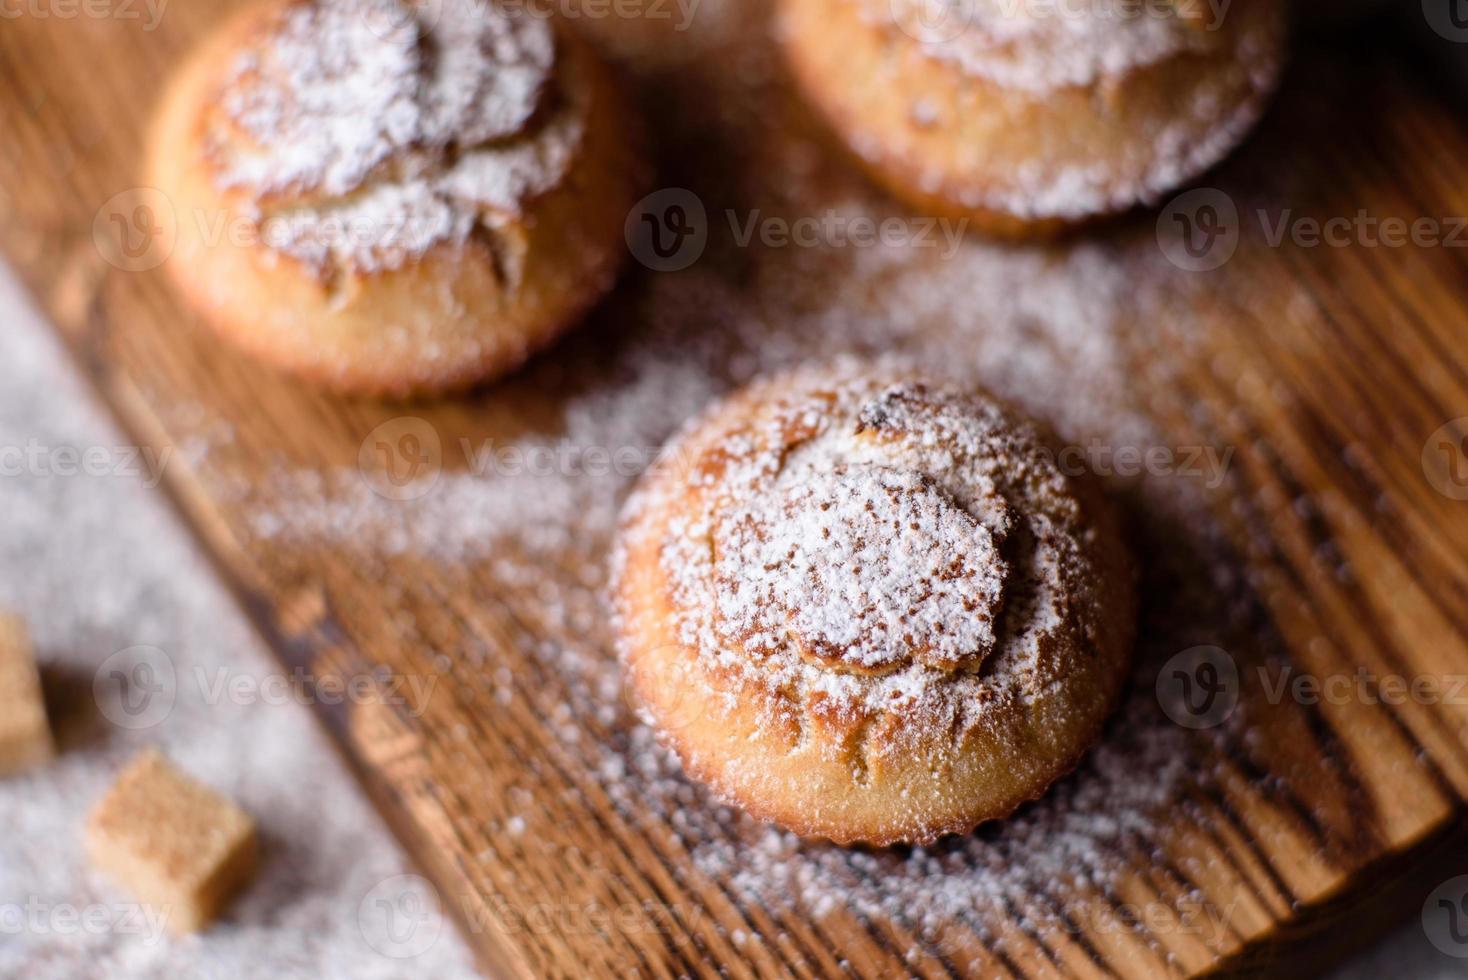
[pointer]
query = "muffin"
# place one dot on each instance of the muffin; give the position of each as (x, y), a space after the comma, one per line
(393, 198)
(872, 608)
(1026, 119)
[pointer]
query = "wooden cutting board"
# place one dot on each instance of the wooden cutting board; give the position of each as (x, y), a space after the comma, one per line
(1329, 371)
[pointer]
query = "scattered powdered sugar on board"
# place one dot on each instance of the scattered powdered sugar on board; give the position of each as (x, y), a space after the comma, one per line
(1043, 328)
(1071, 842)
(1052, 329)
(545, 492)
(369, 130)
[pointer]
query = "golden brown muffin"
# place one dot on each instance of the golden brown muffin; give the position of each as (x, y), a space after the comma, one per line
(870, 608)
(1027, 118)
(395, 198)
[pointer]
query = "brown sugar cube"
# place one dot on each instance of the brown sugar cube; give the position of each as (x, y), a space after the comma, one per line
(25, 737)
(178, 845)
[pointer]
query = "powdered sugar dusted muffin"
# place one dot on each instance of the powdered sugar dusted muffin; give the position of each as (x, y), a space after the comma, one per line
(395, 197)
(1029, 116)
(871, 608)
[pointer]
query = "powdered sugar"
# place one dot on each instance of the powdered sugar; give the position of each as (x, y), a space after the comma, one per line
(369, 130)
(1176, 155)
(866, 567)
(1039, 45)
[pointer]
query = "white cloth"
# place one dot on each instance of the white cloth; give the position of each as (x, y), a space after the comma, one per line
(97, 563)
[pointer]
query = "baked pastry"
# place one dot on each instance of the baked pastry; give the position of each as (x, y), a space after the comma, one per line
(1026, 119)
(394, 197)
(870, 608)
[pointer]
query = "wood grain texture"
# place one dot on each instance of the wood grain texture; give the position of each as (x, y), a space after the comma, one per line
(1325, 369)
